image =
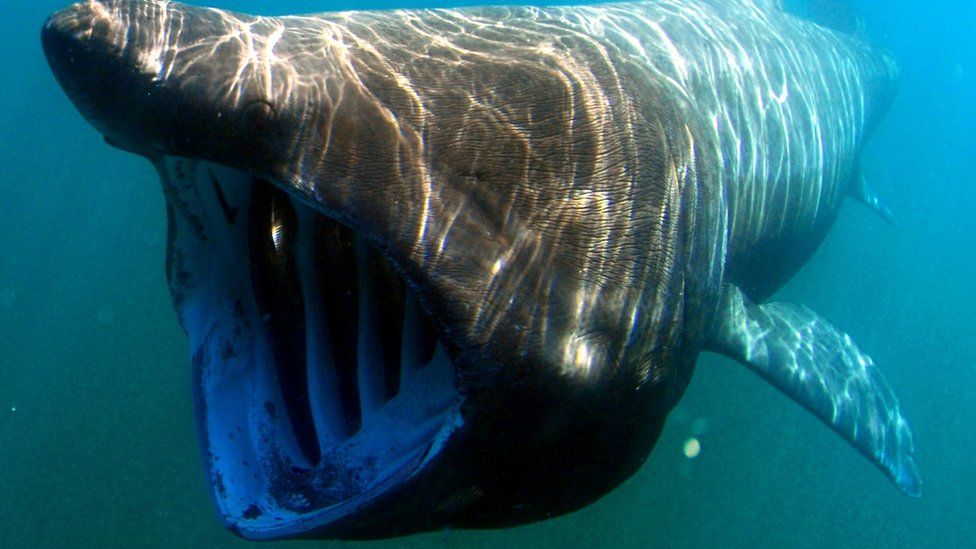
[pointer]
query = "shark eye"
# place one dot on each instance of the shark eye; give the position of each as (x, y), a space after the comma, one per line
(257, 116)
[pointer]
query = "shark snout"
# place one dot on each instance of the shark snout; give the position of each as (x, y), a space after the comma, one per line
(76, 20)
(80, 45)
(97, 52)
(70, 37)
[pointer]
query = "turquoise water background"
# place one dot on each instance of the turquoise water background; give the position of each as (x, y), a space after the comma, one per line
(97, 442)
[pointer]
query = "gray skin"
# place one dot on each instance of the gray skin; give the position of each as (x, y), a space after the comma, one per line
(580, 199)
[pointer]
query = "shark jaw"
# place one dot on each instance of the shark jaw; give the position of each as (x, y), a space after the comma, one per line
(320, 381)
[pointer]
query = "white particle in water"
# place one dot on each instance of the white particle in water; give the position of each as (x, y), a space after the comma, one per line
(692, 448)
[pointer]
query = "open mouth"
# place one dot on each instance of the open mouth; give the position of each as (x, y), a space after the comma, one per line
(320, 382)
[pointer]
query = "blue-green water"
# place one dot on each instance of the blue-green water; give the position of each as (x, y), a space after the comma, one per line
(97, 442)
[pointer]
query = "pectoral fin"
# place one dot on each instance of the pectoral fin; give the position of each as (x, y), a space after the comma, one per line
(867, 196)
(820, 367)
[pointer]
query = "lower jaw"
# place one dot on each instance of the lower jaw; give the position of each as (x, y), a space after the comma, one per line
(319, 381)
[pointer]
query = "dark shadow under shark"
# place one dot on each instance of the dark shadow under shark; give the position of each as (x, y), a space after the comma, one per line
(455, 267)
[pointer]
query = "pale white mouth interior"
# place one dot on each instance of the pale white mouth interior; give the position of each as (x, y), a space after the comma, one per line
(319, 379)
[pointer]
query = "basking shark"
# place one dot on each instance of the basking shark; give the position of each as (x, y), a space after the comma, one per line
(454, 267)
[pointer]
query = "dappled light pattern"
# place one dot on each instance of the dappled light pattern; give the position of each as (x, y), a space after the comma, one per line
(592, 130)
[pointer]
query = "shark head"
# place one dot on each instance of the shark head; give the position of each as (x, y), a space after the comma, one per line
(416, 294)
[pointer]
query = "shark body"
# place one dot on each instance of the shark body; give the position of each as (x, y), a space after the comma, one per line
(455, 267)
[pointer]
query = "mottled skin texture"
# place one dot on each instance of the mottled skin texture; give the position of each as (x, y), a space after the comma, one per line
(569, 191)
